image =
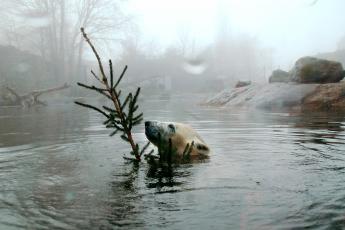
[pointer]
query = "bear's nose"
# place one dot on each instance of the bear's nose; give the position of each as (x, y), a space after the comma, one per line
(147, 123)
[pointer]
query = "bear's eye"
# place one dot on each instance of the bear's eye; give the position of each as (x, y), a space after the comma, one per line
(171, 127)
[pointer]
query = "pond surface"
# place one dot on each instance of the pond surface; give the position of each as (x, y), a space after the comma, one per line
(59, 169)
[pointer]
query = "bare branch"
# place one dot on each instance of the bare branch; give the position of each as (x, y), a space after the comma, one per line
(100, 65)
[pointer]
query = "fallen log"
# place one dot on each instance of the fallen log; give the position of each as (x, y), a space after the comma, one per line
(29, 99)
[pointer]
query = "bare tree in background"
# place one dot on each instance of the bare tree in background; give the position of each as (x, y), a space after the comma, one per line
(50, 28)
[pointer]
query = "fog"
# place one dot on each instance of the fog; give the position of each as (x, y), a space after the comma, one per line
(213, 126)
(202, 46)
(291, 28)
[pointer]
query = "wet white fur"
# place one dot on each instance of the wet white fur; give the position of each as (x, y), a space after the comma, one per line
(184, 134)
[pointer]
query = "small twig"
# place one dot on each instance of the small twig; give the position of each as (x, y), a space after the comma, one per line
(95, 76)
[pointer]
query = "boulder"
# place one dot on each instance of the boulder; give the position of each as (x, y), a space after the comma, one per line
(279, 76)
(315, 70)
(326, 97)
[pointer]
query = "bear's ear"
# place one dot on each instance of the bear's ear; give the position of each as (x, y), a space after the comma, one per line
(202, 147)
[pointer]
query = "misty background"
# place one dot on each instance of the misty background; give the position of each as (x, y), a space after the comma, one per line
(169, 46)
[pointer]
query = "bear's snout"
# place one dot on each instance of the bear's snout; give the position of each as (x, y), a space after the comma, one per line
(151, 130)
(147, 123)
(151, 124)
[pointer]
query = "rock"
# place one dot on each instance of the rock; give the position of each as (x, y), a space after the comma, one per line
(225, 96)
(240, 84)
(284, 96)
(279, 96)
(315, 70)
(321, 89)
(326, 97)
(279, 76)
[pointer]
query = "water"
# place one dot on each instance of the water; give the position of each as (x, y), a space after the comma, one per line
(60, 170)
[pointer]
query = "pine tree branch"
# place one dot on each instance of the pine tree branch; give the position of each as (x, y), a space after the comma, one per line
(117, 117)
(111, 74)
(99, 90)
(128, 98)
(114, 132)
(95, 76)
(91, 87)
(143, 150)
(120, 78)
(92, 107)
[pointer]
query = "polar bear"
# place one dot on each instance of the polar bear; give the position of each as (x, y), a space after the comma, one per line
(180, 135)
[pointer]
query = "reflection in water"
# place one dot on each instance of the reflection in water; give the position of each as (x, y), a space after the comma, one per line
(59, 169)
(162, 176)
(321, 121)
(20, 126)
(122, 204)
(322, 128)
(322, 135)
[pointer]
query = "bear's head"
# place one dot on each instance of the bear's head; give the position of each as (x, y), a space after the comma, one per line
(159, 133)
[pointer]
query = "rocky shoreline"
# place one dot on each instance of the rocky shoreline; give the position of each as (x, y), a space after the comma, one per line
(312, 85)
